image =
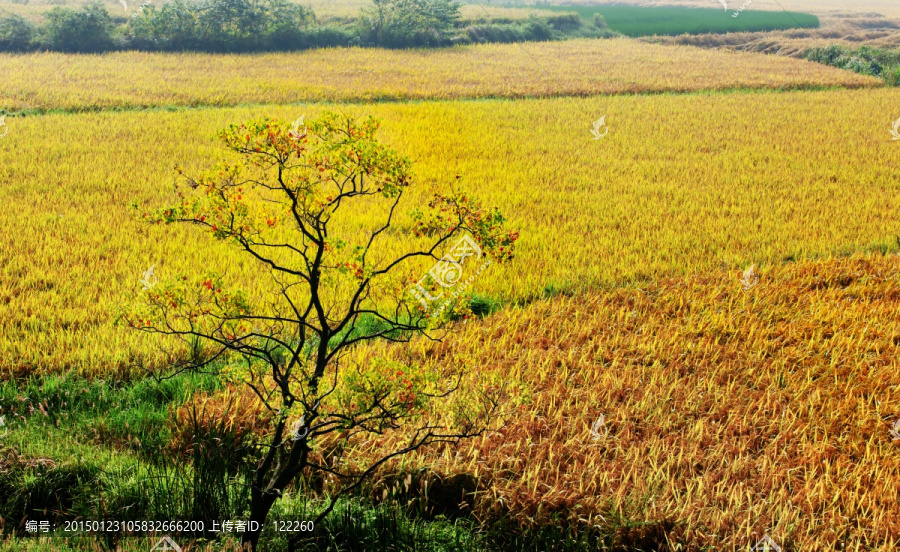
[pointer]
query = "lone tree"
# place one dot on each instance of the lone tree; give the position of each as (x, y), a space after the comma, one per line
(305, 204)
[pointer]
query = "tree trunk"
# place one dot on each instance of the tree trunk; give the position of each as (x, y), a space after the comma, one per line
(260, 504)
(261, 501)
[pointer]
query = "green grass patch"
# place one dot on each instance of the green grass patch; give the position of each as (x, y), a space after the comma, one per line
(55, 466)
(877, 62)
(56, 416)
(94, 449)
(671, 21)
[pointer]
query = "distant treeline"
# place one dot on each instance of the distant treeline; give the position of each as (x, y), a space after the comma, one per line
(274, 25)
(877, 62)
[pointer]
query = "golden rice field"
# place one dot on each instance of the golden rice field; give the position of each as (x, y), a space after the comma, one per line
(727, 413)
(46, 81)
(682, 184)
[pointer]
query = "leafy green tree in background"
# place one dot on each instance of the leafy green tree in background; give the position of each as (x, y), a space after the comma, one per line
(406, 23)
(88, 30)
(222, 26)
(237, 26)
(170, 27)
(241, 25)
(17, 34)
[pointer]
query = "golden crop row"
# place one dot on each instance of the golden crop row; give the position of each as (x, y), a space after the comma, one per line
(680, 184)
(578, 67)
(726, 413)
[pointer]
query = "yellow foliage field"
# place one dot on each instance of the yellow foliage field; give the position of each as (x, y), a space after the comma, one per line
(44, 81)
(645, 380)
(727, 413)
(680, 184)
